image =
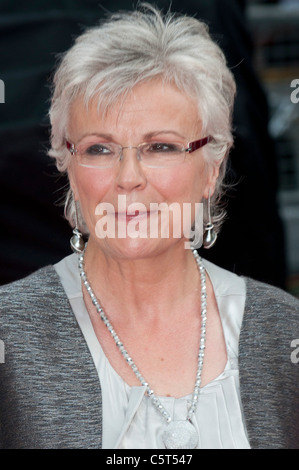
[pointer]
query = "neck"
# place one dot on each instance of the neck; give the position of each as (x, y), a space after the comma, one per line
(143, 286)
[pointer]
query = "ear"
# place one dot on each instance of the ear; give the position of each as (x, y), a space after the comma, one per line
(213, 173)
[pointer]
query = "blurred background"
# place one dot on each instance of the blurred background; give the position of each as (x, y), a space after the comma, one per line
(261, 42)
(274, 27)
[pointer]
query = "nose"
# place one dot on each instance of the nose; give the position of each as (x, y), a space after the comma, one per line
(130, 175)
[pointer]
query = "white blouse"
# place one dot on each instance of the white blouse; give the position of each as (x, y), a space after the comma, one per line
(130, 421)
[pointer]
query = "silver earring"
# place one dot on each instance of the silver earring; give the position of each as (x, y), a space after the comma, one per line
(77, 242)
(209, 236)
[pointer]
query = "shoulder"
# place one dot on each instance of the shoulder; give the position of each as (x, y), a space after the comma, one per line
(269, 302)
(46, 275)
(270, 326)
(271, 314)
(48, 383)
(35, 317)
(268, 375)
(23, 300)
(43, 282)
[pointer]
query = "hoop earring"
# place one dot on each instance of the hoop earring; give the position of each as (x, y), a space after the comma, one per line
(209, 236)
(77, 242)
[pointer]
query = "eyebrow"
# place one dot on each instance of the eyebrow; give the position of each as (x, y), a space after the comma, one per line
(150, 135)
(107, 137)
(147, 136)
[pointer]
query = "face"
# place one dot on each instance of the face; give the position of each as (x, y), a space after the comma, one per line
(152, 112)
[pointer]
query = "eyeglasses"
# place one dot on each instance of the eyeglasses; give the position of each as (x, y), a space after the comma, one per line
(96, 154)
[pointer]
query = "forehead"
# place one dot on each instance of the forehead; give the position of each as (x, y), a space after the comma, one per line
(150, 106)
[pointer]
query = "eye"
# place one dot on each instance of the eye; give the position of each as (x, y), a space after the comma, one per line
(97, 149)
(163, 147)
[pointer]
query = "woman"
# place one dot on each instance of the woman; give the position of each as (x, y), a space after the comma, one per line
(136, 342)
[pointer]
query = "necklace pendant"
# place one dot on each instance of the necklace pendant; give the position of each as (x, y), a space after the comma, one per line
(180, 435)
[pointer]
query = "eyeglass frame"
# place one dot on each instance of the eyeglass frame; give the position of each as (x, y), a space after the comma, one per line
(192, 146)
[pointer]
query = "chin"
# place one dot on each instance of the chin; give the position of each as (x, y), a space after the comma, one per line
(136, 248)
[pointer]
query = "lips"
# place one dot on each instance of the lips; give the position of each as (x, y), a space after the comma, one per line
(135, 215)
(125, 212)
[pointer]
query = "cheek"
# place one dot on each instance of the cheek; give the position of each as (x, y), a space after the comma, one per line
(185, 184)
(89, 185)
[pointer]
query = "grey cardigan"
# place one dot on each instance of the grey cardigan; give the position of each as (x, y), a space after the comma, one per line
(50, 394)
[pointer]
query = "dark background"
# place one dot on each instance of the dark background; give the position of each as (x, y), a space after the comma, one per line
(33, 230)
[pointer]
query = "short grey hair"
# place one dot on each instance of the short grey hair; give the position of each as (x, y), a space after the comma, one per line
(129, 48)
